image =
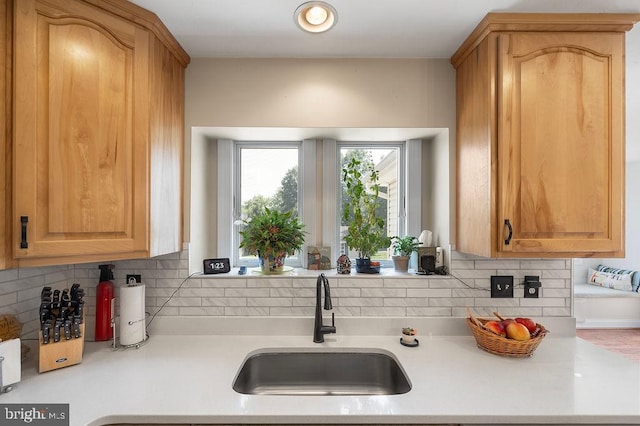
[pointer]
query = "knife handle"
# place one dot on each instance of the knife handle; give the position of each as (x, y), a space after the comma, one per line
(67, 329)
(76, 327)
(46, 328)
(56, 331)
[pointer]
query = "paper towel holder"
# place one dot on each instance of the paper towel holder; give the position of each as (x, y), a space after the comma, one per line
(116, 343)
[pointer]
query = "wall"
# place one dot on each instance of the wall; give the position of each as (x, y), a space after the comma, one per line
(290, 296)
(320, 93)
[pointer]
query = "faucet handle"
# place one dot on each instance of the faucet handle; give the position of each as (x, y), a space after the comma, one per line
(333, 319)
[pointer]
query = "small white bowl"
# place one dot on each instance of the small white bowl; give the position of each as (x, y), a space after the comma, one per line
(408, 339)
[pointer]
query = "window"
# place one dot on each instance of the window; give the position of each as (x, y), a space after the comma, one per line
(305, 176)
(266, 176)
(388, 160)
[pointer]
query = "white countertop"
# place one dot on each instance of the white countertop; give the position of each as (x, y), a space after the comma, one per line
(188, 378)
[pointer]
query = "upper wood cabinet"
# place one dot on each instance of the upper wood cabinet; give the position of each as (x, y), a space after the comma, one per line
(540, 136)
(98, 133)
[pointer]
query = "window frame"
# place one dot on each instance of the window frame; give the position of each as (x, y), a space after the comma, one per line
(317, 201)
(400, 146)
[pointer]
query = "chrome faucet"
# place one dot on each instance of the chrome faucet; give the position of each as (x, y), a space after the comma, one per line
(319, 329)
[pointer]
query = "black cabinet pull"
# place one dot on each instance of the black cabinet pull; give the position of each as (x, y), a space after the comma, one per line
(23, 223)
(508, 240)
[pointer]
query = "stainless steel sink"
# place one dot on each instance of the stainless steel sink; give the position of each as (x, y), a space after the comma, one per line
(321, 372)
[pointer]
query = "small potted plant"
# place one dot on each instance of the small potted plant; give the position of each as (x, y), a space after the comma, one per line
(409, 335)
(366, 231)
(403, 247)
(272, 235)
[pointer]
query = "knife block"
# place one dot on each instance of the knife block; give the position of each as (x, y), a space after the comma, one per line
(62, 353)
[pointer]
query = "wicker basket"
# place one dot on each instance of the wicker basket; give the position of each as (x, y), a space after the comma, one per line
(502, 346)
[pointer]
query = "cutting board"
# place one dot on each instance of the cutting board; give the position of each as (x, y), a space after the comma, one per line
(11, 366)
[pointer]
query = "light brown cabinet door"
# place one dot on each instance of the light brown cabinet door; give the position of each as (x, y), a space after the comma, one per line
(561, 142)
(80, 176)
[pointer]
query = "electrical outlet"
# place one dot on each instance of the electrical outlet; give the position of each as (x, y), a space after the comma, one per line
(502, 286)
(532, 286)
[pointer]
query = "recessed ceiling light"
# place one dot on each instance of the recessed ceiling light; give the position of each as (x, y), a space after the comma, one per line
(315, 16)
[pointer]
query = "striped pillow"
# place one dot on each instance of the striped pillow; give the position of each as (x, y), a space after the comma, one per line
(635, 275)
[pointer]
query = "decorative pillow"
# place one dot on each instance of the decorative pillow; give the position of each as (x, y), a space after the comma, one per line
(609, 280)
(635, 275)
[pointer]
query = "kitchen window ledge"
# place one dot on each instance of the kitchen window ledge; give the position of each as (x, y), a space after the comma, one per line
(309, 273)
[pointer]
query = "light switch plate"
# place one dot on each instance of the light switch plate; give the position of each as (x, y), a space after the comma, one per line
(502, 286)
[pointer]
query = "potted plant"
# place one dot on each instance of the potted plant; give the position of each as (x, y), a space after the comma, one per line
(272, 235)
(409, 334)
(403, 247)
(366, 232)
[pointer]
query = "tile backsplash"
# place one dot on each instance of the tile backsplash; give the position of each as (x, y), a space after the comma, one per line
(358, 295)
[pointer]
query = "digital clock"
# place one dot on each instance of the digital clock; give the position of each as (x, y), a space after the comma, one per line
(217, 266)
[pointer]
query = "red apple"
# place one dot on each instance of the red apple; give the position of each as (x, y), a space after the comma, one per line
(517, 331)
(495, 327)
(527, 322)
(505, 322)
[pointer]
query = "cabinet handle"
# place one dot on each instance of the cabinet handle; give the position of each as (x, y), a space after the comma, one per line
(508, 240)
(23, 223)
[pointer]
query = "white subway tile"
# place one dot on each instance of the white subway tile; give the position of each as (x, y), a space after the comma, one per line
(268, 301)
(224, 301)
(496, 302)
(246, 292)
(281, 292)
(360, 301)
(248, 311)
(406, 301)
(383, 312)
(383, 292)
(428, 312)
(496, 264)
(179, 301)
(269, 282)
(450, 301)
(405, 283)
(543, 264)
(360, 282)
(225, 282)
(201, 311)
(293, 311)
(201, 292)
(429, 292)
(304, 301)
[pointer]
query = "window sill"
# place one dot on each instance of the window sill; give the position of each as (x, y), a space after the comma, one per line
(309, 273)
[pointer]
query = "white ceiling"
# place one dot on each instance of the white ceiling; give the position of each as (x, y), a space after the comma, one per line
(365, 28)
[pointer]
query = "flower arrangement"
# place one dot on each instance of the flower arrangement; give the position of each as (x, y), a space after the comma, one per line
(273, 234)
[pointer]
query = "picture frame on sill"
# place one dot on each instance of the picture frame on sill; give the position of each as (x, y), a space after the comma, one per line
(318, 258)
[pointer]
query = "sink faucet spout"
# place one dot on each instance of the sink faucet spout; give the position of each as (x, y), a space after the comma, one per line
(319, 329)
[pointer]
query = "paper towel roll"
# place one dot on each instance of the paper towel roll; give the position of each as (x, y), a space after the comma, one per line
(132, 315)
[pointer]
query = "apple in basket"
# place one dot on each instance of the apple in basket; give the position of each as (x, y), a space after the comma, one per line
(495, 327)
(529, 323)
(517, 331)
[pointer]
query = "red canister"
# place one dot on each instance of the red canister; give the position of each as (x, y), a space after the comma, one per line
(104, 304)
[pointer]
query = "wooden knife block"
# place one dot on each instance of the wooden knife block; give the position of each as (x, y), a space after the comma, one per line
(62, 353)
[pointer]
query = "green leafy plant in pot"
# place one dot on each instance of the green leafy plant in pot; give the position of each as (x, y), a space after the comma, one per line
(403, 247)
(272, 235)
(366, 232)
